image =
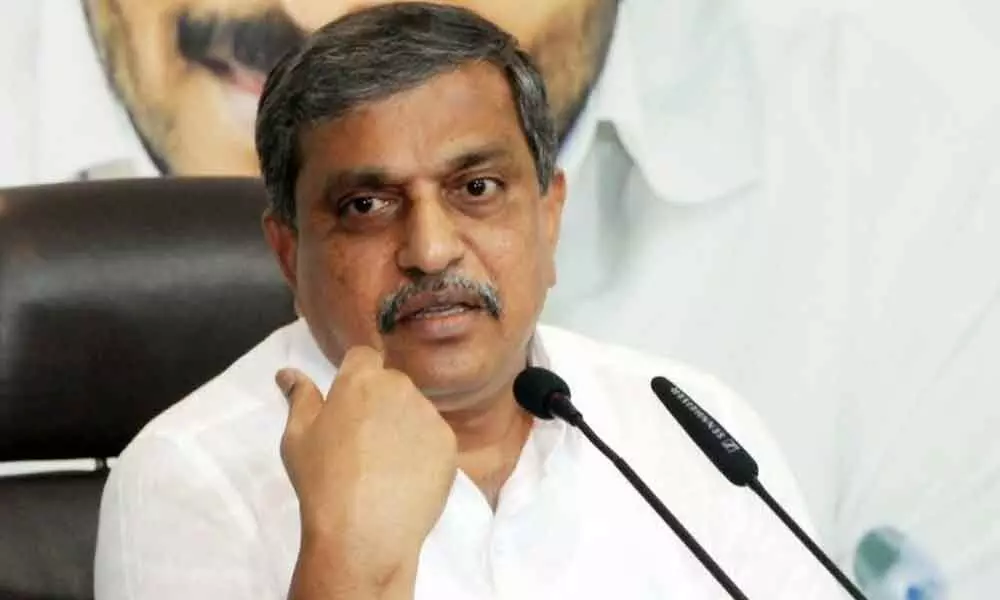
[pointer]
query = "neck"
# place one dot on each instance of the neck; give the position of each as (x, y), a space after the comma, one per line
(490, 440)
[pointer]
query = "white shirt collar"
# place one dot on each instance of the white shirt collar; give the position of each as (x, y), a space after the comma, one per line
(305, 354)
(82, 125)
(680, 88)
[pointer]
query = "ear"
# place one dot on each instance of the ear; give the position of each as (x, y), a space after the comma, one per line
(284, 242)
(552, 208)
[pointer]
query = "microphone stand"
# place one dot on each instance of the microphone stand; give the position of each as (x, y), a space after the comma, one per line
(662, 510)
(785, 518)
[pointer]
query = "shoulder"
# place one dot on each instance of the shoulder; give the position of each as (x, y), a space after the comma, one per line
(613, 386)
(625, 368)
(230, 425)
(187, 494)
(614, 383)
(241, 390)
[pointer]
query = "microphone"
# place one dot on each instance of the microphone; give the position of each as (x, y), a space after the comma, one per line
(545, 395)
(736, 465)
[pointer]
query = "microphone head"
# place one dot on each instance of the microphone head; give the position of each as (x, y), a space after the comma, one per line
(722, 449)
(534, 389)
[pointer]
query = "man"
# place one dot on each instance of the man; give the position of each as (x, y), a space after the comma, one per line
(409, 154)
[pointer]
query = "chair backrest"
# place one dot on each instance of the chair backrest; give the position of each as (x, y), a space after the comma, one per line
(117, 298)
(48, 530)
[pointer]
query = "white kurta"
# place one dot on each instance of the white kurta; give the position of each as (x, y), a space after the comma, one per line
(199, 505)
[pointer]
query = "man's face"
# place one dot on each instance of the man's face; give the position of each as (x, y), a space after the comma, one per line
(190, 71)
(422, 231)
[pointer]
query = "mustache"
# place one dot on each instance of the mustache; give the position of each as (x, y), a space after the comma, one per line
(222, 44)
(389, 309)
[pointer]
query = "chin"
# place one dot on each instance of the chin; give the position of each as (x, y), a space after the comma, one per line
(451, 377)
(470, 400)
(445, 377)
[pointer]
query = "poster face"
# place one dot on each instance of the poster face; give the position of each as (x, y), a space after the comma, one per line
(190, 72)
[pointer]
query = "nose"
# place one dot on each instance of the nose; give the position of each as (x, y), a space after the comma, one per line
(310, 15)
(432, 240)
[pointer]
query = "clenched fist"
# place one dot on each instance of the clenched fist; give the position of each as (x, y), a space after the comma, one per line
(372, 467)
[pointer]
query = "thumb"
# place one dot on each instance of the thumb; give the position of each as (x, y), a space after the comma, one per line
(304, 399)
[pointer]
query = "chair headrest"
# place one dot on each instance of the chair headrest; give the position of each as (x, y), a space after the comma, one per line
(117, 298)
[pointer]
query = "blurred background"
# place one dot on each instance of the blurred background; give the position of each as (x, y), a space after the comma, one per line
(801, 197)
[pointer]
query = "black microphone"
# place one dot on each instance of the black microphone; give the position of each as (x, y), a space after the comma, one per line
(736, 465)
(545, 395)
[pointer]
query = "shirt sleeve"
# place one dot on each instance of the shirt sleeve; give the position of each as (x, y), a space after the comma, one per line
(173, 526)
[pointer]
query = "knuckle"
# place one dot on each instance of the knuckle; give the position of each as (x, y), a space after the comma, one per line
(285, 446)
(397, 379)
(353, 354)
(449, 439)
(295, 427)
(291, 433)
(355, 370)
(366, 352)
(360, 357)
(448, 442)
(359, 380)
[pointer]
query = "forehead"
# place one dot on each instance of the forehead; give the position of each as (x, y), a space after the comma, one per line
(514, 15)
(133, 9)
(410, 130)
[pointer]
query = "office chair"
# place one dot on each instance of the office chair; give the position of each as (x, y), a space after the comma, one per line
(117, 298)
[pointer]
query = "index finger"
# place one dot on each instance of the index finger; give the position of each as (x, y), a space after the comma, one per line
(304, 399)
(359, 359)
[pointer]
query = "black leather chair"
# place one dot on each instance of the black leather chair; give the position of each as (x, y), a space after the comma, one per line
(117, 298)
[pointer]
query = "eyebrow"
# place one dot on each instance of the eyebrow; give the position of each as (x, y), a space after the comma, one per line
(477, 157)
(377, 177)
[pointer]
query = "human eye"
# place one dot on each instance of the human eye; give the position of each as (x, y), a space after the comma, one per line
(363, 206)
(479, 189)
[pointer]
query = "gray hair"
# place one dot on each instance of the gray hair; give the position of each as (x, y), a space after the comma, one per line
(388, 311)
(374, 53)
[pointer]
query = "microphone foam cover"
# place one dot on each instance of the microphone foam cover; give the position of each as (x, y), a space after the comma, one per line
(533, 389)
(722, 449)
